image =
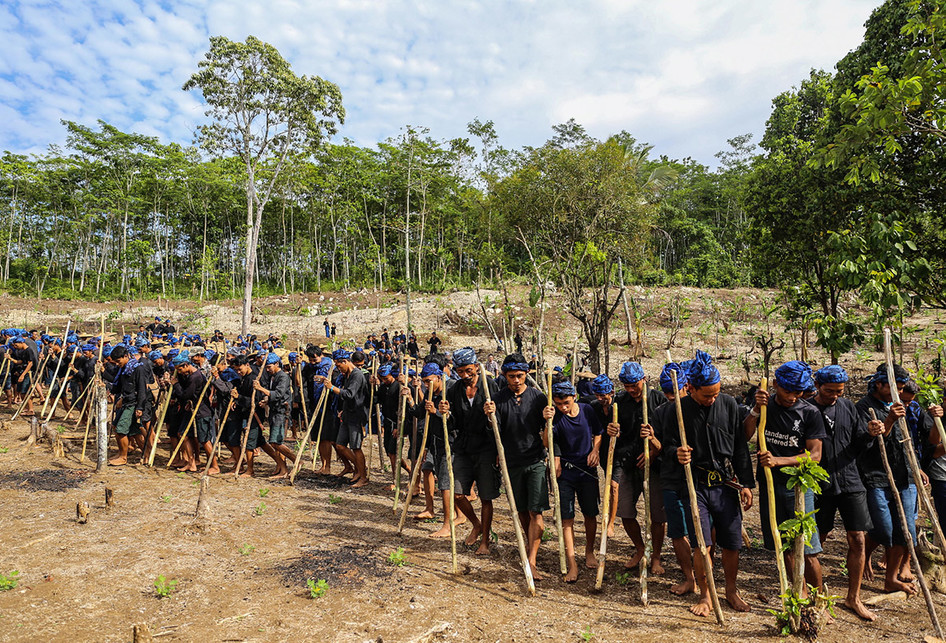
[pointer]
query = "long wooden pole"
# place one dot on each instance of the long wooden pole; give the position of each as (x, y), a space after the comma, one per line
(574, 372)
(452, 504)
(606, 505)
(62, 354)
(380, 426)
(501, 453)
(415, 474)
(216, 449)
(562, 562)
(907, 536)
(695, 509)
(305, 438)
(648, 540)
(374, 372)
(326, 391)
(190, 422)
(75, 405)
(400, 439)
(249, 423)
(770, 491)
(62, 386)
(911, 452)
(162, 413)
(33, 385)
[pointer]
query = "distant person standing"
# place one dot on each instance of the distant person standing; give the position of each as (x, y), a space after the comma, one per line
(434, 342)
(518, 341)
(334, 330)
(328, 333)
(412, 348)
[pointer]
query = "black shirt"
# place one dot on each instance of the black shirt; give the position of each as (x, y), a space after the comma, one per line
(846, 439)
(787, 430)
(472, 428)
(870, 463)
(521, 424)
(630, 445)
(353, 394)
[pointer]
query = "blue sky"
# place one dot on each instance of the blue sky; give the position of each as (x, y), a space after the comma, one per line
(684, 75)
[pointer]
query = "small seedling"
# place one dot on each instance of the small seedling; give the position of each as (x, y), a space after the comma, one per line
(587, 634)
(333, 499)
(546, 535)
(4, 449)
(181, 475)
(843, 567)
(397, 557)
(246, 549)
(9, 581)
(163, 587)
(260, 509)
(317, 589)
(263, 492)
(623, 578)
(166, 498)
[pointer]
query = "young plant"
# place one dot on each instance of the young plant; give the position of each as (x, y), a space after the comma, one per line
(587, 634)
(333, 499)
(260, 509)
(397, 557)
(166, 498)
(9, 581)
(546, 535)
(263, 492)
(803, 611)
(623, 578)
(4, 449)
(163, 588)
(246, 549)
(317, 589)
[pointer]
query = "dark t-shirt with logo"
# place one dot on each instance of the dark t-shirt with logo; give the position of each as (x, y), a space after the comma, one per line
(787, 430)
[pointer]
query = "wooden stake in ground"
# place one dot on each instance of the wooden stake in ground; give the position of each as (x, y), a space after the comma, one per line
(648, 540)
(33, 386)
(451, 505)
(930, 606)
(695, 509)
(415, 474)
(190, 423)
(771, 520)
(907, 442)
(501, 453)
(249, 423)
(549, 433)
(75, 404)
(606, 505)
(402, 408)
(162, 413)
(305, 439)
(62, 386)
(203, 509)
(324, 404)
(62, 354)
(101, 428)
(305, 413)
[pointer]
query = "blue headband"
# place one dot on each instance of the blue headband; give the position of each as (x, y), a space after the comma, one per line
(88, 347)
(181, 358)
(431, 368)
(832, 374)
(515, 366)
(229, 375)
(631, 372)
(386, 369)
(702, 372)
(464, 356)
(155, 355)
(563, 389)
(341, 354)
(173, 353)
(666, 379)
(794, 376)
(602, 385)
(323, 367)
(273, 358)
(293, 356)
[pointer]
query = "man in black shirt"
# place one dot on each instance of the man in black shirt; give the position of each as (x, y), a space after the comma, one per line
(719, 456)
(519, 412)
(847, 437)
(434, 342)
(130, 389)
(793, 427)
(352, 394)
(275, 388)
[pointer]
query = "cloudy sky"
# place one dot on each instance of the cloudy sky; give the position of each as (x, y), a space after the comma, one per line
(684, 75)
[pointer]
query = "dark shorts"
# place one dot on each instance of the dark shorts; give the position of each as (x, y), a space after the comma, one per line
(390, 442)
(784, 510)
(254, 436)
(233, 432)
(329, 427)
(676, 513)
(480, 468)
(853, 509)
(719, 508)
(530, 487)
(349, 435)
(126, 423)
(24, 386)
(631, 486)
(277, 428)
(204, 429)
(581, 482)
(436, 461)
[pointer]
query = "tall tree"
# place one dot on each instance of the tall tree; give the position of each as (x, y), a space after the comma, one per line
(263, 113)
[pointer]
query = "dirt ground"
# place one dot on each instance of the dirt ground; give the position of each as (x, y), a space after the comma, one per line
(242, 575)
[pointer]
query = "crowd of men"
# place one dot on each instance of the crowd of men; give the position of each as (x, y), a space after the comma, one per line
(184, 389)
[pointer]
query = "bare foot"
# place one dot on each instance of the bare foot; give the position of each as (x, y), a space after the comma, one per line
(228, 461)
(656, 567)
(443, 532)
(483, 550)
(117, 462)
(900, 586)
(634, 561)
(246, 474)
(213, 471)
(572, 574)
(474, 535)
(735, 601)
(189, 468)
(869, 570)
(611, 531)
(325, 471)
(279, 475)
(906, 576)
(702, 607)
(591, 561)
(458, 520)
(391, 487)
(424, 515)
(361, 483)
(682, 589)
(860, 609)
(536, 574)
(346, 471)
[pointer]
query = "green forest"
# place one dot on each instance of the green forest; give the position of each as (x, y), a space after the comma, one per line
(839, 203)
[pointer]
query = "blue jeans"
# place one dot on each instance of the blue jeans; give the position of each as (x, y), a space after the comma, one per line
(883, 513)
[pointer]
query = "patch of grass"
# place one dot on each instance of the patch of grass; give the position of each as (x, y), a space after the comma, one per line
(246, 549)
(4, 449)
(587, 634)
(623, 578)
(263, 492)
(317, 589)
(163, 588)
(166, 498)
(260, 509)
(397, 557)
(333, 499)
(9, 581)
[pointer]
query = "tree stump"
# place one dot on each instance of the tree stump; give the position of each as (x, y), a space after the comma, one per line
(109, 498)
(141, 634)
(82, 512)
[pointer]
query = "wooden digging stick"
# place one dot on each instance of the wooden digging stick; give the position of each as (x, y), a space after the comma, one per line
(374, 370)
(305, 439)
(33, 386)
(62, 387)
(62, 354)
(648, 540)
(501, 453)
(326, 391)
(574, 362)
(216, 449)
(452, 504)
(246, 430)
(415, 474)
(907, 442)
(75, 404)
(930, 606)
(305, 413)
(162, 413)
(770, 491)
(377, 412)
(695, 509)
(606, 505)
(562, 561)
(401, 412)
(190, 423)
